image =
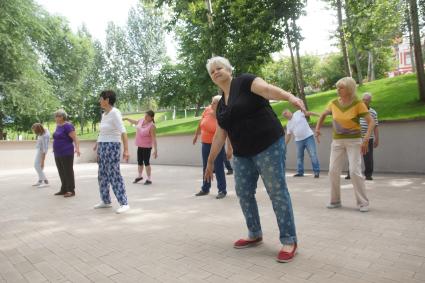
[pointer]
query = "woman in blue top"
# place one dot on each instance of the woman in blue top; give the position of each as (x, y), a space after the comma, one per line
(256, 134)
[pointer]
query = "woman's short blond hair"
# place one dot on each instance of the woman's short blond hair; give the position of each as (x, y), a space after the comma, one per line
(349, 84)
(218, 61)
(61, 113)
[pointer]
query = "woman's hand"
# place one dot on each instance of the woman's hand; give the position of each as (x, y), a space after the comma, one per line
(209, 172)
(195, 138)
(125, 156)
(317, 134)
(77, 151)
(95, 147)
(298, 103)
(155, 154)
(365, 146)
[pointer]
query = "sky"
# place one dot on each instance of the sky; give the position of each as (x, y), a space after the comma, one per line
(317, 26)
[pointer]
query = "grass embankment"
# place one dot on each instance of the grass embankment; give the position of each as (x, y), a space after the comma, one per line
(393, 99)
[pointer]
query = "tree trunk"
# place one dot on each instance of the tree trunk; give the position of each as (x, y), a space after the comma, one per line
(369, 67)
(342, 38)
(418, 50)
(2, 135)
(372, 67)
(294, 68)
(358, 67)
(301, 78)
(208, 6)
(198, 107)
(300, 71)
(355, 51)
(409, 29)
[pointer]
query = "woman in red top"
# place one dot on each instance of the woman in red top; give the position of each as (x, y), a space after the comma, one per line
(207, 127)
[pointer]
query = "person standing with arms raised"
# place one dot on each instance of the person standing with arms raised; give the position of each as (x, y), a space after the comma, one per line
(245, 116)
(145, 142)
(346, 111)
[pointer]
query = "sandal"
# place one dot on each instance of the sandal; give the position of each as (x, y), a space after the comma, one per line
(69, 194)
(138, 179)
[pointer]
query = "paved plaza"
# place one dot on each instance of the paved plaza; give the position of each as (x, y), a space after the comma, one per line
(171, 236)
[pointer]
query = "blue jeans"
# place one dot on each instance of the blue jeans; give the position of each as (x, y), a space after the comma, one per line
(218, 169)
(270, 164)
(310, 145)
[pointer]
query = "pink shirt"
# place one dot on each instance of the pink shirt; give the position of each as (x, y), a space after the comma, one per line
(143, 134)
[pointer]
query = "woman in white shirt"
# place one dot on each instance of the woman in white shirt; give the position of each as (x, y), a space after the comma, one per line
(108, 147)
(43, 137)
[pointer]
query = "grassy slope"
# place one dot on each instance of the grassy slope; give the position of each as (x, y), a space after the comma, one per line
(393, 99)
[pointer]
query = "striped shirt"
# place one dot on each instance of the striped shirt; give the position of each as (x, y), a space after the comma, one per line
(363, 123)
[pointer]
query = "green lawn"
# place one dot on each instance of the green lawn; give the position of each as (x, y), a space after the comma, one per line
(393, 99)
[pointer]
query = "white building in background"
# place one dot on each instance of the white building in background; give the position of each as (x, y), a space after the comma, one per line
(404, 58)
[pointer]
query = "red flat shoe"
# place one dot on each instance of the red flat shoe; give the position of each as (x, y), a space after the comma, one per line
(242, 243)
(285, 256)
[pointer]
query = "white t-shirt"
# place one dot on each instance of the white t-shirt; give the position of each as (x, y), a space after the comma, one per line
(298, 126)
(111, 126)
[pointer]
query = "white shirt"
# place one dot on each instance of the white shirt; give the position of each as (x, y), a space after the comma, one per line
(111, 126)
(43, 141)
(298, 126)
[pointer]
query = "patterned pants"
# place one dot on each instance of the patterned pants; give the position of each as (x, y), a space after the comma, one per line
(109, 154)
(270, 164)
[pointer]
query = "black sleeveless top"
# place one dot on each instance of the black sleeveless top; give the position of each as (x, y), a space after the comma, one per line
(248, 118)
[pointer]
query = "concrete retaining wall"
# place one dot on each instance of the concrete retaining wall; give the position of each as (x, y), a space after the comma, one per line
(401, 150)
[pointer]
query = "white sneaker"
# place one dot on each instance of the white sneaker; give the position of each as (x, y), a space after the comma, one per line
(38, 184)
(123, 208)
(42, 185)
(364, 208)
(334, 205)
(102, 205)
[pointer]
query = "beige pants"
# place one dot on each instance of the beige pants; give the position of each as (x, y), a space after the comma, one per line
(351, 148)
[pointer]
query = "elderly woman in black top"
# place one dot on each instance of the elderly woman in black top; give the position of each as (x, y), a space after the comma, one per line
(256, 134)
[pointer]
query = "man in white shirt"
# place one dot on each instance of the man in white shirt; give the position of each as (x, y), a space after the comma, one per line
(304, 138)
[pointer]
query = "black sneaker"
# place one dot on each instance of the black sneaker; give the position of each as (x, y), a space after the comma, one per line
(229, 172)
(369, 178)
(347, 177)
(298, 175)
(138, 179)
(201, 193)
(220, 195)
(316, 175)
(148, 182)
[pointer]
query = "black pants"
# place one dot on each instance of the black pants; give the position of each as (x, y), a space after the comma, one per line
(144, 156)
(65, 165)
(368, 160)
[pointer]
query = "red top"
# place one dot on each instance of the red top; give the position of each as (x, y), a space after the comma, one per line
(208, 125)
